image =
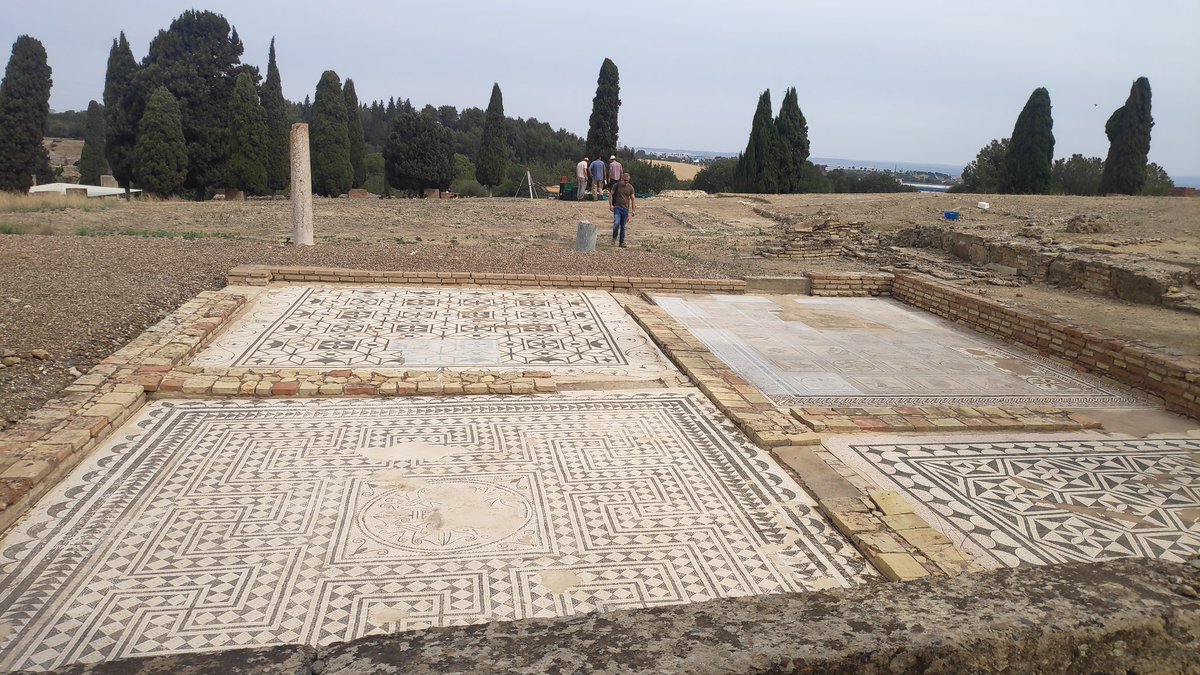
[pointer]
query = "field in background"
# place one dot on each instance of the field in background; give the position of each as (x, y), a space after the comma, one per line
(682, 170)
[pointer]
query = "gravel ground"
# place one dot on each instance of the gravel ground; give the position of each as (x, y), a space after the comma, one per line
(81, 298)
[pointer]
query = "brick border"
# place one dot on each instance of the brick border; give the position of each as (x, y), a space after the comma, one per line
(261, 275)
(739, 400)
(850, 284)
(984, 418)
(185, 382)
(1174, 380)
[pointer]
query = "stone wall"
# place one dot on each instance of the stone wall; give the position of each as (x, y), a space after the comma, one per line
(1037, 258)
(1173, 380)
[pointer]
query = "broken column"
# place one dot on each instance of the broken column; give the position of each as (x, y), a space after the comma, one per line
(585, 237)
(302, 209)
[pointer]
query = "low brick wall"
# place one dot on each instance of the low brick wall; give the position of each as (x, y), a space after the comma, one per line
(850, 284)
(1175, 380)
(261, 275)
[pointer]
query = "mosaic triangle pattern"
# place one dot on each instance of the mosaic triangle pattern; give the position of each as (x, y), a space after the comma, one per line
(218, 524)
(566, 332)
(1045, 501)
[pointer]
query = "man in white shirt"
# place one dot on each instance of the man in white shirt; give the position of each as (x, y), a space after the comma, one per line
(614, 171)
(581, 178)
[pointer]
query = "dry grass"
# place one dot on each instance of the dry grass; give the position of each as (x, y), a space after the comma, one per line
(33, 203)
(682, 170)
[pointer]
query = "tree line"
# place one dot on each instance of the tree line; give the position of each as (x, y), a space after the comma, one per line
(1023, 163)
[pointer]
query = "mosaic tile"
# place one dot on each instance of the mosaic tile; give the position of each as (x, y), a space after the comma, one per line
(854, 352)
(565, 332)
(216, 524)
(1017, 501)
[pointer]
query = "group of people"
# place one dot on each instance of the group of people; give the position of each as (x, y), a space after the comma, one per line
(613, 179)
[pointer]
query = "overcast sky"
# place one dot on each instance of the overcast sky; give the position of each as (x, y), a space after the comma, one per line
(890, 81)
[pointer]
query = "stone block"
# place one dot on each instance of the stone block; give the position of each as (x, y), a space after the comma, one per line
(904, 521)
(891, 503)
(852, 523)
(898, 566)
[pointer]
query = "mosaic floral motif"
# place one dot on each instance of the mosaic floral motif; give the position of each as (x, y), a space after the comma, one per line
(1046, 501)
(217, 524)
(423, 328)
(863, 352)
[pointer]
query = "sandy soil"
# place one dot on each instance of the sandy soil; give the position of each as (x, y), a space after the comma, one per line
(81, 282)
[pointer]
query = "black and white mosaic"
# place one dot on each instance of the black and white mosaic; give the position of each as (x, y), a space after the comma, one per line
(803, 351)
(565, 332)
(208, 525)
(1055, 499)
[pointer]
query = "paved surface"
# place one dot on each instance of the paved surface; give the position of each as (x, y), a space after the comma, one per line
(1043, 499)
(213, 525)
(804, 351)
(565, 332)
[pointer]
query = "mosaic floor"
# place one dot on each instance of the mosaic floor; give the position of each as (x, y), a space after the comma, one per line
(218, 524)
(850, 352)
(565, 332)
(1055, 499)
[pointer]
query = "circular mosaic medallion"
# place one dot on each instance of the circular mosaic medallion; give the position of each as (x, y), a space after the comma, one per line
(452, 515)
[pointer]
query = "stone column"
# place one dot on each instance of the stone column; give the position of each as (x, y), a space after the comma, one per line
(585, 237)
(302, 209)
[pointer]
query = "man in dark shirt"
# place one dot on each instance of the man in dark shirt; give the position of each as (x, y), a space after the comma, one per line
(623, 204)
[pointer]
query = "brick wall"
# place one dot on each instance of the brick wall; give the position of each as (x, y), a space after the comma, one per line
(1173, 379)
(850, 284)
(261, 275)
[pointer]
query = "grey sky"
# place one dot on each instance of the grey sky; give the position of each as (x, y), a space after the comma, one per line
(894, 81)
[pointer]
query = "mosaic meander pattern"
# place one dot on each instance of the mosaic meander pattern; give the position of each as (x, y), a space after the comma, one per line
(1056, 499)
(852, 352)
(324, 326)
(212, 525)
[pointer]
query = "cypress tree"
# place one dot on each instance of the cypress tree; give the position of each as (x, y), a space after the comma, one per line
(120, 108)
(91, 162)
(161, 153)
(279, 149)
(354, 135)
(1028, 167)
(24, 109)
(602, 125)
(197, 59)
(247, 138)
(493, 146)
(793, 141)
(1128, 131)
(418, 153)
(332, 174)
(758, 167)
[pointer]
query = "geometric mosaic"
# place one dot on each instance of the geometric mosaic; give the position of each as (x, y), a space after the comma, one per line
(863, 352)
(1051, 500)
(208, 525)
(566, 332)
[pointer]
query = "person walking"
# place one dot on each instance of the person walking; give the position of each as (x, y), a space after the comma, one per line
(622, 202)
(614, 172)
(581, 170)
(597, 170)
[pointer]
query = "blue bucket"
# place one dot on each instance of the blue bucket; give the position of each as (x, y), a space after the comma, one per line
(950, 215)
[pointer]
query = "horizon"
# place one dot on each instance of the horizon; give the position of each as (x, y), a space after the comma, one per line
(849, 65)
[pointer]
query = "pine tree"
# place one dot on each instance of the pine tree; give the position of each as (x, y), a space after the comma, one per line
(1128, 131)
(332, 174)
(197, 59)
(247, 138)
(279, 148)
(793, 142)
(24, 109)
(354, 135)
(602, 125)
(91, 162)
(758, 167)
(121, 104)
(493, 146)
(418, 154)
(1029, 165)
(161, 153)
